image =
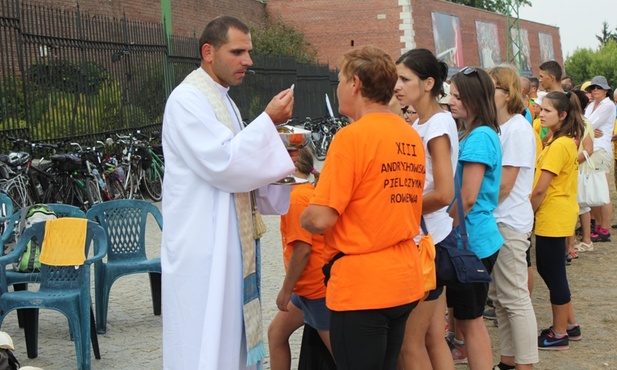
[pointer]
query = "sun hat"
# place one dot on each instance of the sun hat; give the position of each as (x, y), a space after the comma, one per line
(541, 95)
(585, 85)
(599, 81)
(446, 98)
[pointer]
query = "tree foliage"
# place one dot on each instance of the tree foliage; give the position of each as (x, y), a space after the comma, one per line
(606, 34)
(498, 6)
(583, 64)
(279, 38)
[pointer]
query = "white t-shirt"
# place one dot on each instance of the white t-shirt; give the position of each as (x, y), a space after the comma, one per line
(602, 118)
(518, 147)
(438, 223)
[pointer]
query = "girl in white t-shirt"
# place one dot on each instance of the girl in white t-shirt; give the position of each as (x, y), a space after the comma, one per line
(509, 289)
(420, 84)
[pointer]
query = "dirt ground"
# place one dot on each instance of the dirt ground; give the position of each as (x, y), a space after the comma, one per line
(594, 295)
(593, 282)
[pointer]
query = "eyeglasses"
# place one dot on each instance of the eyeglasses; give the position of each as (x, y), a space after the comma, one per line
(468, 70)
(501, 88)
(406, 110)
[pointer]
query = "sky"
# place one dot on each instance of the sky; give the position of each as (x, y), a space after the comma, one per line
(578, 20)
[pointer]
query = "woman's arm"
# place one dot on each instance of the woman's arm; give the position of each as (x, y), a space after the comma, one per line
(317, 219)
(297, 263)
(588, 147)
(473, 174)
(539, 191)
(508, 178)
(443, 192)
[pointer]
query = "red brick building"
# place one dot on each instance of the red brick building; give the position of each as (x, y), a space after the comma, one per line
(335, 26)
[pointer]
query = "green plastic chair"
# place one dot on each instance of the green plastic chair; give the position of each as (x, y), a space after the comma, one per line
(62, 288)
(124, 222)
(21, 279)
(6, 210)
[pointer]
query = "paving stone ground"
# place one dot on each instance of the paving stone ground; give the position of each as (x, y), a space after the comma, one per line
(133, 338)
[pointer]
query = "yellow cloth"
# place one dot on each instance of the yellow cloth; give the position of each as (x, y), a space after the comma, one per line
(556, 216)
(64, 242)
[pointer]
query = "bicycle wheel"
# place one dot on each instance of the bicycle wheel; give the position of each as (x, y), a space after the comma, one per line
(153, 182)
(82, 197)
(94, 190)
(131, 183)
(115, 189)
(19, 195)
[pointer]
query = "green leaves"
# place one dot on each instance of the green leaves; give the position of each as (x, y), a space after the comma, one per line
(583, 64)
(279, 38)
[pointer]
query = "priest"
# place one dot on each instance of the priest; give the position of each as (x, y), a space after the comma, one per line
(215, 171)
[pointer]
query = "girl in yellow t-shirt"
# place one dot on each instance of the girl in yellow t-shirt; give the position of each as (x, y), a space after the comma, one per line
(554, 203)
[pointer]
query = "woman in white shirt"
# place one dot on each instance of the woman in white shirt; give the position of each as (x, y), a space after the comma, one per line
(601, 113)
(509, 290)
(420, 84)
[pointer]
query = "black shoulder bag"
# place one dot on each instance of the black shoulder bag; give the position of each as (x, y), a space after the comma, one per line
(459, 266)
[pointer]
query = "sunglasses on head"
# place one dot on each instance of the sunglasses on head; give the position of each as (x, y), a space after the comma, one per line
(468, 70)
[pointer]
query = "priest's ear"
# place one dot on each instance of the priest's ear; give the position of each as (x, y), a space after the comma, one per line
(207, 52)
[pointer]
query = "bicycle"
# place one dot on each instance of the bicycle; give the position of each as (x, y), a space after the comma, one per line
(142, 166)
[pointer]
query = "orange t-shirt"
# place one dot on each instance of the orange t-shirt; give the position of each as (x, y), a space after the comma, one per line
(311, 283)
(373, 177)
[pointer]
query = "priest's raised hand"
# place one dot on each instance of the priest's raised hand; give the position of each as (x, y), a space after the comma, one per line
(280, 107)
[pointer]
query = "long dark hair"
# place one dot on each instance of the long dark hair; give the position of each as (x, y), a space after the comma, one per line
(477, 93)
(424, 64)
(305, 163)
(573, 125)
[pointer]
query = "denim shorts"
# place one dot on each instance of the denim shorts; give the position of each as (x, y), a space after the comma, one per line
(315, 312)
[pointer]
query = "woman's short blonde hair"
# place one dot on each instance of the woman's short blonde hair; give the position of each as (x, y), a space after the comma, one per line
(375, 69)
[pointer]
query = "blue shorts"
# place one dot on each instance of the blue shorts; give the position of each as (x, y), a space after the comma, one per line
(315, 312)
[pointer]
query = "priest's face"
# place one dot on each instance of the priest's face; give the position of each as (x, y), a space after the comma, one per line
(228, 64)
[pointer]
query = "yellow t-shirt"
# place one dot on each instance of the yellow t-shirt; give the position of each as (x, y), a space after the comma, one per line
(374, 178)
(556, 216)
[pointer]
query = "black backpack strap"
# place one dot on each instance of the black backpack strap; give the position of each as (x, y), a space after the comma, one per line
(328, 266)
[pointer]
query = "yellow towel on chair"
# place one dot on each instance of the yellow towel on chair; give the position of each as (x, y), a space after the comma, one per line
(64, 242)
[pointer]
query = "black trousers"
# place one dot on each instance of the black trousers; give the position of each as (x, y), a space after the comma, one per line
(368, 339)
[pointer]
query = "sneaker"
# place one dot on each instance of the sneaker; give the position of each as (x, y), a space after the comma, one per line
(548, 341)
(568, 260)
(599, 237)
(573, 333)
(459, 353)
(489, 314)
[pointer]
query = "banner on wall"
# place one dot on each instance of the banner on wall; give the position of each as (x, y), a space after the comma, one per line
(546, 47)
(488, 44)
(523, 40)
(448, 40)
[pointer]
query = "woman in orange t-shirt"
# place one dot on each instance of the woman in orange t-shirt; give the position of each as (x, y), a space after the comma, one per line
(368, 204)
(302, 298)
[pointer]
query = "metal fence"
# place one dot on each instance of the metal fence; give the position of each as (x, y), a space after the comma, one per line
(69, 74)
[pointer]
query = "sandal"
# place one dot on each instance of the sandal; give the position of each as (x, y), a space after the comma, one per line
(583, 247)
(573, 254)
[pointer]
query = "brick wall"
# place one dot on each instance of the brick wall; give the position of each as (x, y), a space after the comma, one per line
(330, 25)
(188, 16)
